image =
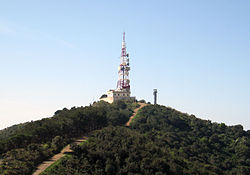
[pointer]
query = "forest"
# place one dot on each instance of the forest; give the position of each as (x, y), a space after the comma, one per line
(160, 140)
(24, 146)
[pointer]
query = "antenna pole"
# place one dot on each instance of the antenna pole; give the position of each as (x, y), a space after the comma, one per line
(155, 96)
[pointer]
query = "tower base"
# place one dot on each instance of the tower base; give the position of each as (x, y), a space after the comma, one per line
(115, 95)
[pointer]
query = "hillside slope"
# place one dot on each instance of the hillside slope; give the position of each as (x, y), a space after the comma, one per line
(162, 140)
(24, 146)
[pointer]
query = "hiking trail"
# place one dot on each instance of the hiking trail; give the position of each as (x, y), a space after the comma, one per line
(45, 164)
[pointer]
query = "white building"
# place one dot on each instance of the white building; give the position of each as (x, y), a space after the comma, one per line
(114, 95)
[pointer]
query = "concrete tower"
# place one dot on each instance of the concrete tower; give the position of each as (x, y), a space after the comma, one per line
(155, 96)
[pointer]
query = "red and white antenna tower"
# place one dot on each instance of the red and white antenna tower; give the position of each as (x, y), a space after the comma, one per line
(123, 70)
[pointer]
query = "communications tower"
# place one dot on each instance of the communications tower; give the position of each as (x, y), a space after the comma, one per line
(122, 91)
(123, 82)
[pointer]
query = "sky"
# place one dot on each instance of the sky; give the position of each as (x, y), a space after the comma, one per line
(60, 53)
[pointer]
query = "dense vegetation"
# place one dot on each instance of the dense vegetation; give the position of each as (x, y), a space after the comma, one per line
(161, 141)
(197, 145)
(24, 146)
(114, 150)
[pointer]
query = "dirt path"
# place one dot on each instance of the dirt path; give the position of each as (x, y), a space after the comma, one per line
(135, 112)
(56, 157)
(44, 165)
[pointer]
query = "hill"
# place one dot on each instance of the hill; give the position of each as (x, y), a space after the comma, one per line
(160, 140)
(24, 146)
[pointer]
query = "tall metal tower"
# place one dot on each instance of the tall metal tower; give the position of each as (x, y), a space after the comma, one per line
(123, 70)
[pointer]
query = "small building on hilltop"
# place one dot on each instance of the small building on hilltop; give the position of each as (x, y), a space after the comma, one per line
(122, 91)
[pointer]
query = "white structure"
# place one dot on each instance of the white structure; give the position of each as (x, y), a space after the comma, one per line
(123, 84)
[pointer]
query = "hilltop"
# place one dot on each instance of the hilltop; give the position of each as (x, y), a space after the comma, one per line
(159, 140)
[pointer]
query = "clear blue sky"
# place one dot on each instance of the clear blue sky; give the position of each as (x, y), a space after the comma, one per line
(61, 53)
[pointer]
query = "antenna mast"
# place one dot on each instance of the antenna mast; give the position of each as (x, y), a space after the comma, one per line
(123, 69)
